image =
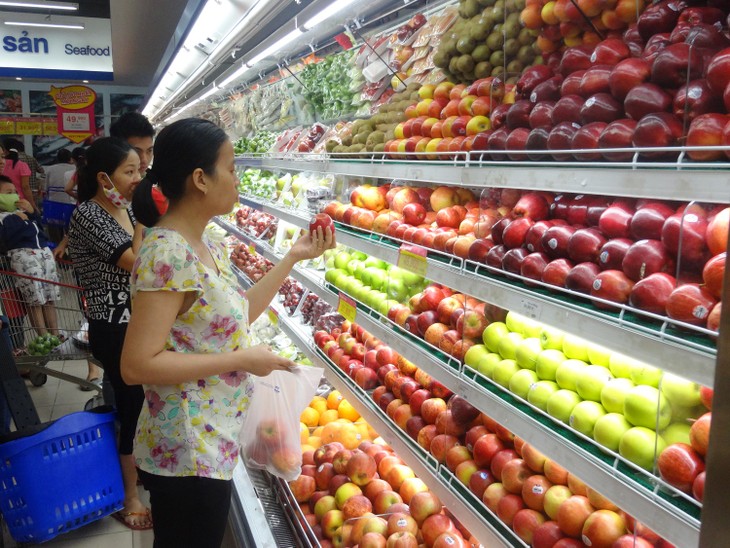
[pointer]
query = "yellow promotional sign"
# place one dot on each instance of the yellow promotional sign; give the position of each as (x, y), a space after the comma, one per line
(75, 107)
(28, 126)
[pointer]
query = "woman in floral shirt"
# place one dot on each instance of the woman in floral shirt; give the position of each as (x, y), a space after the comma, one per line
(188, 341)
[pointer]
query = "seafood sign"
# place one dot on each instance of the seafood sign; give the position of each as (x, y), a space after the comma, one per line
(75, 106)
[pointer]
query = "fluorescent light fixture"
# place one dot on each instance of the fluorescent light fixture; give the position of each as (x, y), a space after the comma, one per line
(273, 48)
(208, 93)
(326, 13)
(40, 5)
(79, 26)
(18, 78)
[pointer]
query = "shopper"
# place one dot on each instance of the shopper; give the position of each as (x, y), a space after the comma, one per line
(27, 246)
(19, 174)
(100, 240)
(55, 177)
(188, 340)
(136, 129)
(35, 168)
(78, 157)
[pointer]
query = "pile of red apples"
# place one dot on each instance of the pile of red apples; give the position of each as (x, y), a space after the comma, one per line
(542, 502)
(252, 264)
(664, 82)
(661, 257)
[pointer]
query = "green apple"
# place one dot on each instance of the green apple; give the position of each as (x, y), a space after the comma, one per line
(487, 364)
(516, 322)
(682, 413)
(646, 406)
(568, 372)
(475, 354)
(365, 276)
(609, 429)
(540, 392)
(642, 373)
(503, 372)
(614, 393)
(680, 391)
(408, 277)
(494, 333)
(584, 417)
(521, 382)
(560, 405)
(342, 259)
(507, 346)
(620, 365)
(598, 355)
(378, 278)
(329, 263)
(396, 290)
(383, 305)
(641, 446)
(359, 255)
(332, 276)
(359, 270)
(676, 432)
(376, 263)
(552, 338)
(547, 363)
(575, 348)
(527, 353)
(352, 267)
(591, 381)
(532, 328)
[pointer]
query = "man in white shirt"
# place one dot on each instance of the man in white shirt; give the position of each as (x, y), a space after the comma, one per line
(55, 180)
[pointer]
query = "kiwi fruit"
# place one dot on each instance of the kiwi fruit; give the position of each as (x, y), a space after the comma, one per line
(526, 55)
(498, 71)
(481, 53)
(468, 9)
(525, 37)
(483, 69)
(441, 60)
(380, 147)
(515, 67)
(511, 29)
(465, 64)
(497, 58)
(511, 47)
(495, 41)
(466, 44)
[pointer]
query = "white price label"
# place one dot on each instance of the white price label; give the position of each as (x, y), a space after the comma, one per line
(76, 122)
(531, 309)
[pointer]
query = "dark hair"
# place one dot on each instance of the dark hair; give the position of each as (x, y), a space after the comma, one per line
(131, 124)
(63, 156)
(104, 156)
(12, 142)
(6, 179)
(11, 155)
(78, 155)
(180, 148)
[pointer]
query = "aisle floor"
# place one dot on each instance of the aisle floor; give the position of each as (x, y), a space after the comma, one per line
(58, 398)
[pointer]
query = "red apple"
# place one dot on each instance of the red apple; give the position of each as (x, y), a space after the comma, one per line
(646, 257)
(567, 109)
(690, 303)
(618, 134)
(679, 465)
(533, 491)
(698, 487)
(499, 460)
(692, 223)
(717, 75)
(713, 274)
(615, 222)
(586, 138)
(611, 285)
(514, 474)
(699, 434)
(651, 293)
(658, 129)
(572, 515)
(513, 258)
(581, 277)
(546, 535)
(556, 272)
(555, 240)
(603, 528)
(613, 252)
(585, 245)
(516, 231)
(646, 98)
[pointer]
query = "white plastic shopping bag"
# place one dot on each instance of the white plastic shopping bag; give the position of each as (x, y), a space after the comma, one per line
(270, 435)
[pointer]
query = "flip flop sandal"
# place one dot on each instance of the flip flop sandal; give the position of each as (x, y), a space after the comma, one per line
(95, 380)
(121, 517)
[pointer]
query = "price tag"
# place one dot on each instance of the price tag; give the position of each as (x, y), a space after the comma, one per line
(530, 309)
(413, 259)
(76, 121)
(273, 316)
(347, 307)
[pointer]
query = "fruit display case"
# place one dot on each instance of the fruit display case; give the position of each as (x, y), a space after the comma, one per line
(671, 514)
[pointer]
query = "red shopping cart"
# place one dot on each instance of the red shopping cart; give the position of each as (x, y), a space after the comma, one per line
(56, 332)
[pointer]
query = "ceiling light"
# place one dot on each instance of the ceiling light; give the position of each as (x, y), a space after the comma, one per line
(40, 5)
(275, 47)
(327, 12)
(79, 26)
(18, 78)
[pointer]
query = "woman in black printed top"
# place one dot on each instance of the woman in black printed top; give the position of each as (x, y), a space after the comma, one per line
(100, 242)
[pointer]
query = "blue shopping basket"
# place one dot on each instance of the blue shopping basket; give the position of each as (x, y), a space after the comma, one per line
(60, 477)
(57, 213)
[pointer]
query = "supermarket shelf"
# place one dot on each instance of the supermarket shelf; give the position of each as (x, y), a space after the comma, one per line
(639, 493)
(645, 341)
(470, 514)
(248, 514)
(687, 183)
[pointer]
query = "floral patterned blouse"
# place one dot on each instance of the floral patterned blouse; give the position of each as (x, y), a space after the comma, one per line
(192, 429)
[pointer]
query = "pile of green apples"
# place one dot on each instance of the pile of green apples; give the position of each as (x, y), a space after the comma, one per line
(371, 281)
(627, 406)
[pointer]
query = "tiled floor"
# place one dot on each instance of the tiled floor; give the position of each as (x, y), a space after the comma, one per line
(55, 399)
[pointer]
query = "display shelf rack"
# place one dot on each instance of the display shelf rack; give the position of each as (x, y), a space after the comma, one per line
(700, 182)
(641, 337)
(464, 505)
(641, 494)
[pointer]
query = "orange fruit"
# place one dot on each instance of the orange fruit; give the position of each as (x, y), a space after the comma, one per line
(349, 436)
(315, 442)
(328, 416)
(347, 411)
(331, 432)
(306, 447)
(362, 428)
(310, 417)
(303, 433)
(317, 431)
(319, 404)
(334, 399)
